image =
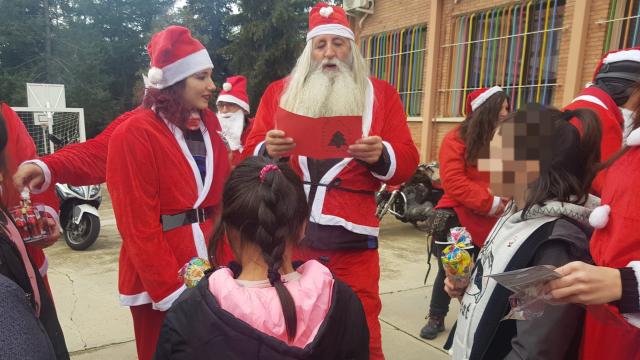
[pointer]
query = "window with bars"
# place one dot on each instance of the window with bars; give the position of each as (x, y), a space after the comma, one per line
(515, 47)
(622, 25)
(398, 58)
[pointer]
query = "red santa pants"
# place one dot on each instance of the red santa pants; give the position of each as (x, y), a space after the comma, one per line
(360, 269)
(146, 327)
(607, 336)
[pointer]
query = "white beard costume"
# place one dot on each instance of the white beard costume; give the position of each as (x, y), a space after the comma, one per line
(232, 125)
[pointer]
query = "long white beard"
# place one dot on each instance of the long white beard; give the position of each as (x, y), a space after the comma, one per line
(232, 125)
(326, 93)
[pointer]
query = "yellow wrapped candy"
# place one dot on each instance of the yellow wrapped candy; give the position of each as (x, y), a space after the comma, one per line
(193, 271)
(456, 260)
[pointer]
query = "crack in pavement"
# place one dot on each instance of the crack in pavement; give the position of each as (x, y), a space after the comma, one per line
(404, 290)
(413, 336)
(99, 347)
(75, 303)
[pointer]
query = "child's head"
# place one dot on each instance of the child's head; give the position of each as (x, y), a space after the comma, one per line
(538, 150)
(264, 209)
(482, 120)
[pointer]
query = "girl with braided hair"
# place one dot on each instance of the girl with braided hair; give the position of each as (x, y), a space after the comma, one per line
(263, 307)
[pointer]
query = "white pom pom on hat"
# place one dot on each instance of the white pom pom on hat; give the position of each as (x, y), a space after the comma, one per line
(155, 75)
(326, 11)
(600, 216)
(227, 86)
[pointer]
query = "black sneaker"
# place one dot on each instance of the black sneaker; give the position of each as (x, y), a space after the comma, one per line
(434, 326)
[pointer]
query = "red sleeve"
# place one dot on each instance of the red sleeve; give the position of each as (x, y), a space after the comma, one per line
(456, 181)
(84, 163)
(263, 121)
(133, 182)
(397, 139)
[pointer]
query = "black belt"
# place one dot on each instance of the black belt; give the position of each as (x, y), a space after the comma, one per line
(193, 216)
(335, 184)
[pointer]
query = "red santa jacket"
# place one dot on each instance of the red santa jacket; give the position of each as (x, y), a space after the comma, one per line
(352, 210)
(150, 172)
(466, 189)
(611, 121)
(21, 147)
(616, 245)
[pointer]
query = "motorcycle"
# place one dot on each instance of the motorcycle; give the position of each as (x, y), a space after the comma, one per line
(79, 215)
(413, 201)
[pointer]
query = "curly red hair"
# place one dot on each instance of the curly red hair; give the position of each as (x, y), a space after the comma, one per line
(169, 102)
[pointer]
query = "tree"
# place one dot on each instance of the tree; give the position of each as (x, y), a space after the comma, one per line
(268, 37)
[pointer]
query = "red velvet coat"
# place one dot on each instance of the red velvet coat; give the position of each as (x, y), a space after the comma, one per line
(466, 189)
(150, 172)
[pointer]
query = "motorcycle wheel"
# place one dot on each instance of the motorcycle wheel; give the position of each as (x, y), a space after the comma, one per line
(81, 236)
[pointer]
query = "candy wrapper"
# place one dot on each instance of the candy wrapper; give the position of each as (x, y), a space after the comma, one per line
(193, 271)
(455, 258)
(30, 219)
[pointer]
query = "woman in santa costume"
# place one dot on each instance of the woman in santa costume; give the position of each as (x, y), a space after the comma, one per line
(165, 171)
(611, 97)
(233, 114)
(612, 330)
(466, 190)
(331, 79)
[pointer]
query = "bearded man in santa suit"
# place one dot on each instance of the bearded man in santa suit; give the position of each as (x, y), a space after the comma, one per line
(331, 79)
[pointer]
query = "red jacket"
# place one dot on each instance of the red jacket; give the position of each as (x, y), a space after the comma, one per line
(333, 207)
(21, 147)
(611, 121)
(466, 189)
(150, 172)
(615, 245)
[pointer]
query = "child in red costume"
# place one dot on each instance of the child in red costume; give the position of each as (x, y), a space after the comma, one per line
(165, 172)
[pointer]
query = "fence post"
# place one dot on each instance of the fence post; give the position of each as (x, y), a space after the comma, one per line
(434, 30)
(575, 58)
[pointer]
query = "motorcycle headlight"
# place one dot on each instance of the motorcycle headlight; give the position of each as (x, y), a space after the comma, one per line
(94, 190)
(77, 190)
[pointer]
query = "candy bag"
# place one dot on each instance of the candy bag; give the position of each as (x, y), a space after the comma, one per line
(456, 260)
(193, 271)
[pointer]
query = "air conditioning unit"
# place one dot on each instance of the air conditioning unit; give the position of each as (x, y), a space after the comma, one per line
(358, 6)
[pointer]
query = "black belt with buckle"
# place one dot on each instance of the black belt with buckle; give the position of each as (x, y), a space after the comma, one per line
(193, 216)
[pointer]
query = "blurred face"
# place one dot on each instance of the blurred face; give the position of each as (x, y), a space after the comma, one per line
(198, 89)
(329, 48)
(509, 177)
(227, 107)
(504, 111)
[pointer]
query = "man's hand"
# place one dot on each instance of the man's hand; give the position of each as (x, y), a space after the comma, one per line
(582, 283)
(367, 149)
(54, 234)
(28, 175)
(277, 144)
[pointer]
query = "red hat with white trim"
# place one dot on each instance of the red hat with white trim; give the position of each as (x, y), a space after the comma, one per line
(234, 90)
(620, 64)
(325, 19)
(175, 55)
(479, 97)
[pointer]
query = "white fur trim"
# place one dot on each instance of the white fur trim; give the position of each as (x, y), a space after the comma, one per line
(182, 69)
(47, 175)
(484, 96)
(326, 11)
(592, 99)
(625, 55)
(600, 216)
(44, 268)
(495, 205)
(135, 300)
(165, 304)
(634, 138)
(367, 114)
(635, 265)
(331, 29)
(259, 148)
(227, 86)
(392, 166)
(235, 100)
(155, 76)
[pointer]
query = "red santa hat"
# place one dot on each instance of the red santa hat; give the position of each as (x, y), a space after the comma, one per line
(611, 64)
(478, 97)
(327, 19)
(175, 55)
(234, 90)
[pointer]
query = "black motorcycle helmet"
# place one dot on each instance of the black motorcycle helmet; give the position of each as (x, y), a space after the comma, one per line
(617, 79)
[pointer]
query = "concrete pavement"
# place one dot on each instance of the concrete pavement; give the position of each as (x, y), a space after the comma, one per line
(97, 327)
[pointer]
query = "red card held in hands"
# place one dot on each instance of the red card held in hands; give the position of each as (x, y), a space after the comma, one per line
(320, 138)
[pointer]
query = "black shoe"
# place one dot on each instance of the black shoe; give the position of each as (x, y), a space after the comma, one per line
(434, 326)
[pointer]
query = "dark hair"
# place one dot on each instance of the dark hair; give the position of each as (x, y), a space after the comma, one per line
(169, 102)
(478, 128)
(568, 159)
(268, 213)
